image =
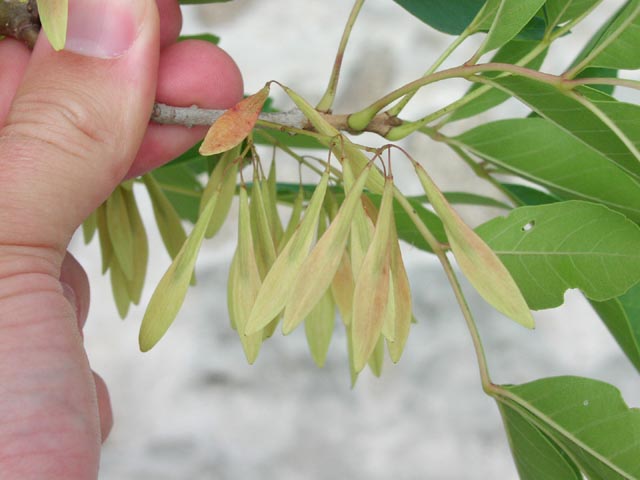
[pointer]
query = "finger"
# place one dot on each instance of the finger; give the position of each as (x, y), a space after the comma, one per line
(76, 287)
(170, 21)
(15, 57)
(192, 72)
(104, 406)
(77, 121)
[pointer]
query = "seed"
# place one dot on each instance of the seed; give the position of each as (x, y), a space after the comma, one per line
(167, 219)
(120, 233)
(277, 284)
(371, 293)
(319, 268)
(244, 282)
(223, 180)
(169, 295)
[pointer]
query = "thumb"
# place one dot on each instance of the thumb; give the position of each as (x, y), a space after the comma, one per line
(77, 120)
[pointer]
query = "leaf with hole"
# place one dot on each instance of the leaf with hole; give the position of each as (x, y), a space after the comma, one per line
(551, 248)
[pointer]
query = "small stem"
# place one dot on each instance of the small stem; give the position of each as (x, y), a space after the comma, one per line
(569, 74)
(192, 116)
(19, 19)
(396, 109)
(298, 158)
(326, 102)
(455, 285)
(478, 169)
(560, 32)
(359, 120)
(616, 82)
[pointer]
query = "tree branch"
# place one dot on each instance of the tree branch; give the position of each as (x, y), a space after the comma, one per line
(19, 19)
(192, 116)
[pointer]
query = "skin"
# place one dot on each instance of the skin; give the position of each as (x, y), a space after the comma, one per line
(71, 128)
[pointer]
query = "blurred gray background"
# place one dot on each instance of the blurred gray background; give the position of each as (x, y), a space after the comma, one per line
(193, 409)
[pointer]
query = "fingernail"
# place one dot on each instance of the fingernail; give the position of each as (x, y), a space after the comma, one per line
(103, 28)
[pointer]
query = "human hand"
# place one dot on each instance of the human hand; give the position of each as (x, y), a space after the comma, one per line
(73, 124)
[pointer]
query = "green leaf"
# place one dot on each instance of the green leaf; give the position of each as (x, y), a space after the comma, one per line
(196, 162)
(169, 295)
(512, 53)
(526, 195)
(180, 185)
(551, 248)
(607, 126)
(53, 16)
(600, 72)
(444, 15)
(511, 18)
(480, 265)
(616, 46)
(537, 150)
(561, 11)
(537, 456)
(587, 419)
(622, 317)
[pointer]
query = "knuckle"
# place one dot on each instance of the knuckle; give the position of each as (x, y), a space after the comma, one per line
(70, 121)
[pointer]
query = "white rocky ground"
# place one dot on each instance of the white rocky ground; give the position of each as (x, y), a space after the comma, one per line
(192, 408)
